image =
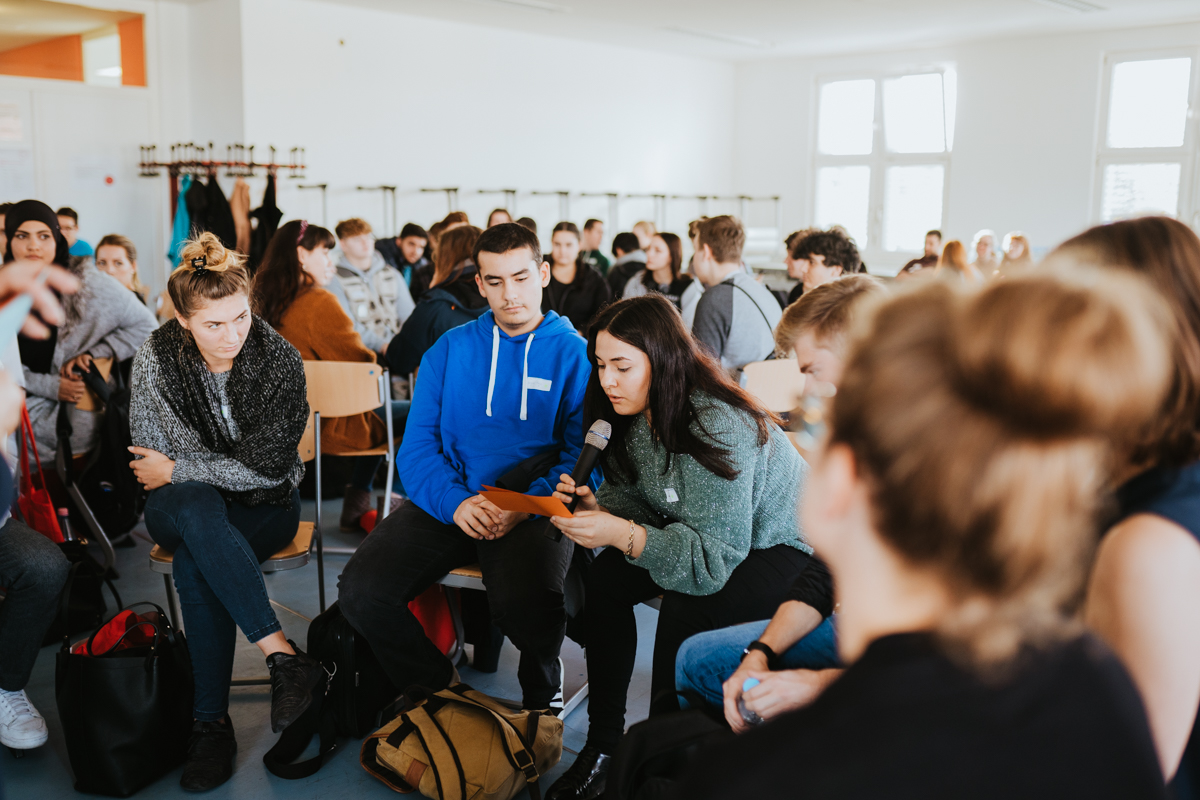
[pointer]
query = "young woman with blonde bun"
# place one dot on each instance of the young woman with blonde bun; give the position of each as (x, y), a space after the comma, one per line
(955, 502)
(218, 409)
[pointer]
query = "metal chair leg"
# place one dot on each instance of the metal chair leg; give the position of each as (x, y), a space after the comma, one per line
(391, 444)
(172, 607)
(317, 525)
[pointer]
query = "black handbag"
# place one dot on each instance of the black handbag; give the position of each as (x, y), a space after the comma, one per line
(654, 755)
(354, 700)
(126, 715)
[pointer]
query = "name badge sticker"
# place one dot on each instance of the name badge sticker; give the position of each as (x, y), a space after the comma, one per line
(538, 384)
(671, 496)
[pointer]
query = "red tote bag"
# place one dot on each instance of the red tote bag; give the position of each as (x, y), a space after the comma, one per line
(36, 506)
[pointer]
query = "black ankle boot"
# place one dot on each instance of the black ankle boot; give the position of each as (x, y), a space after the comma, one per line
(293, 677)
(210, 753)
(583, 780)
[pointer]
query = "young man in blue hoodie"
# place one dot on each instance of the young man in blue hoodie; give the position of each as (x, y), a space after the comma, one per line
(503, 390)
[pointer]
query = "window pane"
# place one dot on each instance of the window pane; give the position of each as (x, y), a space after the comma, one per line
(847, 118)
(1149, 103)
(843, 197)
(914, 114)
(912, 206)
(1131, 189)
(102, 60)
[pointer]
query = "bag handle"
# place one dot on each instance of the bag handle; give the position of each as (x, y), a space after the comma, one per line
(162, 622)
(414, 717)
(26, 473)
(295, 738)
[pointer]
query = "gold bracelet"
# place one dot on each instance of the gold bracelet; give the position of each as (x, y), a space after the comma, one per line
(629, 549)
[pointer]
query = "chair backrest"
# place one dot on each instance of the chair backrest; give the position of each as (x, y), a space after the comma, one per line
(344, 388)
(777, 384)
(308, 441)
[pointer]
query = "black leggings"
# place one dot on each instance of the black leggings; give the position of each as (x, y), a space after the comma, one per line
(754, 591)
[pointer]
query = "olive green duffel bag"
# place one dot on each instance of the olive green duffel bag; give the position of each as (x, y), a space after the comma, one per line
(460, 744)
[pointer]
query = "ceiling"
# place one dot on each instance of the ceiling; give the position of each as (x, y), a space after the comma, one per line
(751, 29)
(25, 22)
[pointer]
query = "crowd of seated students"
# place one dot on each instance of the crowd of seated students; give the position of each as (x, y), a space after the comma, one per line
(917, 587)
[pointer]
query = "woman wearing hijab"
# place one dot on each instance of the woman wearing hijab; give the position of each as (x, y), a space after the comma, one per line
(103, 320)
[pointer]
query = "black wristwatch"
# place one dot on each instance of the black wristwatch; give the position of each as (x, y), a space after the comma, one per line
(772, 658)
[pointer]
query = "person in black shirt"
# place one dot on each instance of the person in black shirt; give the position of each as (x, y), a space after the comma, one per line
(576, 291)
(933, 248)
(955, 502)
(1144, 596)
(628, 260)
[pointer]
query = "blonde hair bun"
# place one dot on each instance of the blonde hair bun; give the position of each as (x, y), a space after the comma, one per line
(208, 271)
(209, 247)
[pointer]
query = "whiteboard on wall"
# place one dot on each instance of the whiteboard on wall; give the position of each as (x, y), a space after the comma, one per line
(17, 176)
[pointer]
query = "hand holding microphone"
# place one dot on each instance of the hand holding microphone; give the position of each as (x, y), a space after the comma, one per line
(574, 489)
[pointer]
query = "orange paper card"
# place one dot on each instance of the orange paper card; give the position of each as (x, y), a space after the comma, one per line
(515, 501)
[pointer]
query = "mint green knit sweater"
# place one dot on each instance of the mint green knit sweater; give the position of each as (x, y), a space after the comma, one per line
(699, 527)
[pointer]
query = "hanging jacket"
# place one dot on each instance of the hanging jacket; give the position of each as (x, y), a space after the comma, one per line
(239, 206)
(268, 216)
(443, 307)
(197, 208)
(580, 300)
(377, 300)
(484, 402)
(182, 225)
(220, 216)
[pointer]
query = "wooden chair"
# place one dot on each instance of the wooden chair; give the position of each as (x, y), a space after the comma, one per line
(293, 556)
(346, 389)
(777, 384)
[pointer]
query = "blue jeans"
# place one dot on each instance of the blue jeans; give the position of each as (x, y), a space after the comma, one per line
(365, 467)
(218, 548)
(706, 660)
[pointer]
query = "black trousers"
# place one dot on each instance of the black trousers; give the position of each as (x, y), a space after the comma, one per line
(523, 572)
(754, 591)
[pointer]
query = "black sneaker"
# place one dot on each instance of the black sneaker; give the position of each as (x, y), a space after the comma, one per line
(210, 753)
(583, 780)
(293, 677)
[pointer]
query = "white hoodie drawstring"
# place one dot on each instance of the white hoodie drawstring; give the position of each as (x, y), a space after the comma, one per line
(492, 377)
(524, 372)
(525, 376)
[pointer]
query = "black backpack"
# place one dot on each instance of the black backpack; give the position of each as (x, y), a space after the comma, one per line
(354, 700)
(654, 755)
(108, 484)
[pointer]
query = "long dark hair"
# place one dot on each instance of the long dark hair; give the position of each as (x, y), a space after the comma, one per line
(454, 252)
(678, 369)
(280, 277)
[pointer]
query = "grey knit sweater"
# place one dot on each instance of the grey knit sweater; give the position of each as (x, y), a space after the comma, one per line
(105, 320)
(699, 527)
(154, 425)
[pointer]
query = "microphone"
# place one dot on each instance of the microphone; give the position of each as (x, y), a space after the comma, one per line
(595, 441)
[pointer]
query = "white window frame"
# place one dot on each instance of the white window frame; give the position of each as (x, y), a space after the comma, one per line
(1185, 155)
(879, 159)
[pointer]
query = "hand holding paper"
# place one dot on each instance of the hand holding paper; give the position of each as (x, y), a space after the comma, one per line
(515, 501)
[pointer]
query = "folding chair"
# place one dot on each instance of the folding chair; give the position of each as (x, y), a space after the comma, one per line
(292, 556)
(346, 389)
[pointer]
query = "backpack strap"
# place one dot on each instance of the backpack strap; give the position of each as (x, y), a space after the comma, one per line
(422, 719)
(770, 327)
(521, 757)
(318, 719)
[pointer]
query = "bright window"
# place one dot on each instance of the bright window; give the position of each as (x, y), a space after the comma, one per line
(1147, 140)
(883, 149)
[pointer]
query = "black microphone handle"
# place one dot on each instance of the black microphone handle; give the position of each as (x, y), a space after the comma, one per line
(588, 457)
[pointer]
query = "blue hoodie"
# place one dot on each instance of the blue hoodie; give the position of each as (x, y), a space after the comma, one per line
(485, 401)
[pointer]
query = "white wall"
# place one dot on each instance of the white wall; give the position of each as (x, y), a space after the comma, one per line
(1024, 147)
(415, 102)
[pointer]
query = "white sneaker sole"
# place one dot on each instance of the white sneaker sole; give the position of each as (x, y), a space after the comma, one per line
(24, 741)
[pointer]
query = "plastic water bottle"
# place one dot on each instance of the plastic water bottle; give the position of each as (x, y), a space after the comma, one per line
(748, 716)
(64, 524)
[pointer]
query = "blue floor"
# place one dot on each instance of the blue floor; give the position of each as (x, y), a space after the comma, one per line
(45, 773)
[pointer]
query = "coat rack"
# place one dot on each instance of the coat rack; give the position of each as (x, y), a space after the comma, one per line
(189, 158)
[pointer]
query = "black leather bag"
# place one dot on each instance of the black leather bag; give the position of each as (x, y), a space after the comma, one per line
(126, 716)
(355, 700)
(654, 755)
